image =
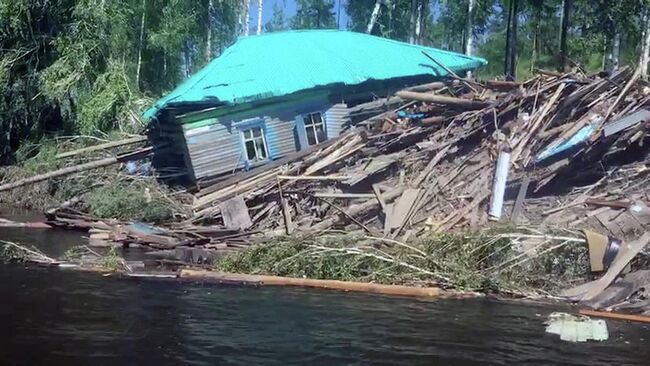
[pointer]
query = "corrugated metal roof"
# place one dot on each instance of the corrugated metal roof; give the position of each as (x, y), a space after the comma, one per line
(281, 63)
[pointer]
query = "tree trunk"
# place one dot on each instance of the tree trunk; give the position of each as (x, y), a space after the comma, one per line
(246, 18)
(564, 26)
(511, 42)
(259, 16)
(140, 44)
(373, 16)
(616, 51)
(414, 4)
(418, 22)
(645, 47)
(208, 31)
(469, 34)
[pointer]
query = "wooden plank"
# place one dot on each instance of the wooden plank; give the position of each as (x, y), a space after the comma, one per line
(327, 284)
(286, 211)
(377, 192)
(235, 214)
(344, 195)
(615, 316)
(403, 207)
(628, 251)
(519, 202)
(314, 177)
(241, 176)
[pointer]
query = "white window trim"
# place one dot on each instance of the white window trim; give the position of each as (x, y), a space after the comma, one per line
(257, 153)
(313, 126)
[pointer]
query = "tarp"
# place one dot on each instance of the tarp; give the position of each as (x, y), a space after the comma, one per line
(281, 63)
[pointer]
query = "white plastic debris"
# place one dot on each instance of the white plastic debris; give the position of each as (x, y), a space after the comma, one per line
(577, 328)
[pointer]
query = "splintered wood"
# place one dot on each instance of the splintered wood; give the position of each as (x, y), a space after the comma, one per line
(429, 164)
(425, 160)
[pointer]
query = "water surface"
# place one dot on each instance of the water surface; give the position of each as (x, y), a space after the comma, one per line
(58, 317)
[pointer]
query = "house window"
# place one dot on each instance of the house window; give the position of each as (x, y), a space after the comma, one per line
(255, 144)
(315, 128)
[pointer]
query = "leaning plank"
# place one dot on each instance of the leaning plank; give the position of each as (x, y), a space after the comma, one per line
(403, 207)
(108, 145)
(235, 213)
(76, 169)
(439, 99)
(242, 176)
(621, 261)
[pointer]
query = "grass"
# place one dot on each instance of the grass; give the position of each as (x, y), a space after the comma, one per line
(520, 262)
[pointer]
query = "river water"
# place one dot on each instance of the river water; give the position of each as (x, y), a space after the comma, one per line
(58, 317)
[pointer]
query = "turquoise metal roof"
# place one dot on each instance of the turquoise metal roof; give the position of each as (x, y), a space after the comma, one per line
(281, 63)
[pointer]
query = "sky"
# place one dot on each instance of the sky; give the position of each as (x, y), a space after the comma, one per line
(289, 11)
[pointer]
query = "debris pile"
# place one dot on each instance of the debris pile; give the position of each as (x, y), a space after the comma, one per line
(565, 150)
(430, 164)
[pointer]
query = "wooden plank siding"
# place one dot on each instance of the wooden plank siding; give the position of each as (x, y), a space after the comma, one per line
(337, 119)
(215, 145)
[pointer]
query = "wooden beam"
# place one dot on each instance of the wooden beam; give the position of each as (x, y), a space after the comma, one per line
(439, 99)
(344, 195)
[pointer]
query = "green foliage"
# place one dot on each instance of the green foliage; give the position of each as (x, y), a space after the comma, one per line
(111, 261)
(135, 201)
(277, 22)
(70, 66)
(487, 262)
(313, 14)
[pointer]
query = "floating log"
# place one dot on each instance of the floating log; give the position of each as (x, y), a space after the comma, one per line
(439, 99)
(615, 316)
(397, 290)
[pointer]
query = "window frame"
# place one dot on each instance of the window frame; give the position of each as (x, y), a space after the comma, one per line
(313, 126)
(244, 140)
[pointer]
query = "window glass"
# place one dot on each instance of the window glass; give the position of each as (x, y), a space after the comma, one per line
(314, 128)
(255, 144)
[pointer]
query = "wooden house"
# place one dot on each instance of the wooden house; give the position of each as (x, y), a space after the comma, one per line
(270, 95)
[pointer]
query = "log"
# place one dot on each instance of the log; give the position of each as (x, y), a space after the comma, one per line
(375, 288)
(436, 85)
(615, 316)
(76, 169)
(104, 146)
(439, 99)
